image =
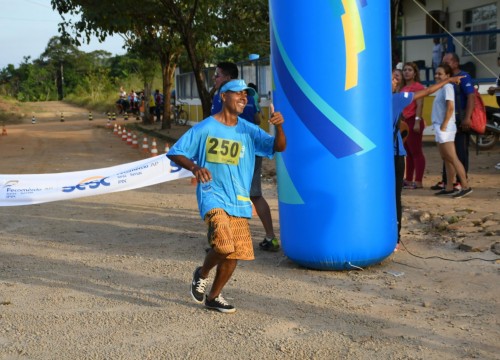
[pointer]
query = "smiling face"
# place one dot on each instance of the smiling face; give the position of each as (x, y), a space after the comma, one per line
(234, 101)
(440, 75)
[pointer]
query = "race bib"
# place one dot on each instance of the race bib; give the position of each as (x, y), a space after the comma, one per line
(223, 151)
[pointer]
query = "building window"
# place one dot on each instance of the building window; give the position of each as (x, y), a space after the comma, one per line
(481, 18)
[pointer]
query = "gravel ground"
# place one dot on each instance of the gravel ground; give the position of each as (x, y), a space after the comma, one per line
(107, 277)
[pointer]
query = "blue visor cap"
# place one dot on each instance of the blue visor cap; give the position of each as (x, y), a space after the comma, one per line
(237, 85)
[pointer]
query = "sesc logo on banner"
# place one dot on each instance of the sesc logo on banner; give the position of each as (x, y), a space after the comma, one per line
(88, 183)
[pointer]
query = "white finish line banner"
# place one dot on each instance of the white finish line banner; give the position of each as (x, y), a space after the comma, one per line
(30, 189)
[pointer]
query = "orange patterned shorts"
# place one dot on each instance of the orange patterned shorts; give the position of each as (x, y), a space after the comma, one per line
(229, 235)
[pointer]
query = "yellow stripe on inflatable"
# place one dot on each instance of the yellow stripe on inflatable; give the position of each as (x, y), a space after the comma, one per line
(354, 41)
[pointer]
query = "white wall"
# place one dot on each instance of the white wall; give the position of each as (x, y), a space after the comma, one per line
(414, 24)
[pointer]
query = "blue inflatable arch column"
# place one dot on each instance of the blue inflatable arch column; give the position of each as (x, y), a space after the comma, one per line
(331, 74)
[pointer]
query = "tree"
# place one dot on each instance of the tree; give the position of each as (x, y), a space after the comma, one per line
(202, 25)
(199, 25)
(144, 28)
(58, 55)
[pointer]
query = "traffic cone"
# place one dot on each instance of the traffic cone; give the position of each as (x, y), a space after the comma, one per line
(154, 150)
(145, 144)
(167, 148)
(119, 133)
(62, 117)
(115, 129)
(90, 116)
(135, 145)
(108, 124)
(125, 116)
(33, 120)
(129, 138)
(124, 135)
(4, 130)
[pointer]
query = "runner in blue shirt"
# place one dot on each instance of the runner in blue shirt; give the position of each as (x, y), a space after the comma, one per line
(220, 151)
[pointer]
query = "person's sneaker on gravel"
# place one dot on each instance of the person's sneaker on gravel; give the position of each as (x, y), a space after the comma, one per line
(439, 186)
(270, 244)
(445, 192)
(219, 304)
(462, 193)
(198, 286)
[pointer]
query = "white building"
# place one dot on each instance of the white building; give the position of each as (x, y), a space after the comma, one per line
(478, 17)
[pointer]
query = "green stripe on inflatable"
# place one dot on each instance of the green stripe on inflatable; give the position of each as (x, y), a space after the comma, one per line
(287, 193)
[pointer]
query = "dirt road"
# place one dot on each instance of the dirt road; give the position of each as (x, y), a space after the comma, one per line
(107, 277)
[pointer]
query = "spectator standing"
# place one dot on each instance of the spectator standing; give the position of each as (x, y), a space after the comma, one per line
(495, 90)
(400, 100)
(158, 104)
(252, 113)
(437, 53)
(412, 114)
(122, 102)
(464, 105)
(445, 128)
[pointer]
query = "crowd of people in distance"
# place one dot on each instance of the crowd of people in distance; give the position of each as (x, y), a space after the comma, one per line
(129, 103)
(450, 117)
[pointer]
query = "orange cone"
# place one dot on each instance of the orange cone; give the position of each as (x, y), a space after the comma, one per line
(119, 133)
(108, 124)
(154, 150)
(115, 129)
(167, 148)
(135, 145)
(129, 138)
(145, 144)
(4, 131)
(124, 134)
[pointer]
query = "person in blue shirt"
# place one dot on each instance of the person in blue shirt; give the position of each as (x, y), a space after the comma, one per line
(226, 71)
(400, 100)
(253, 114)
(220, 151)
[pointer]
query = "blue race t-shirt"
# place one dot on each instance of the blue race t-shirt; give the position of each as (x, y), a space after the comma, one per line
(399, 102)
(228, 152)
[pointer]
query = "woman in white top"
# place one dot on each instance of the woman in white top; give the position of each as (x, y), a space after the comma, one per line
(443, 121)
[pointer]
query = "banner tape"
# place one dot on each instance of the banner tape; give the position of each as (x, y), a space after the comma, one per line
(31, 189)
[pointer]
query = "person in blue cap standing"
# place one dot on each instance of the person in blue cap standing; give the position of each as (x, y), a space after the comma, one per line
(220, 152)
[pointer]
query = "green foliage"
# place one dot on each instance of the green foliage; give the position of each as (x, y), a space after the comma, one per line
(160, 35)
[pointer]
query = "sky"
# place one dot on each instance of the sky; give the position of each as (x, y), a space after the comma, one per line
(26, 27)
